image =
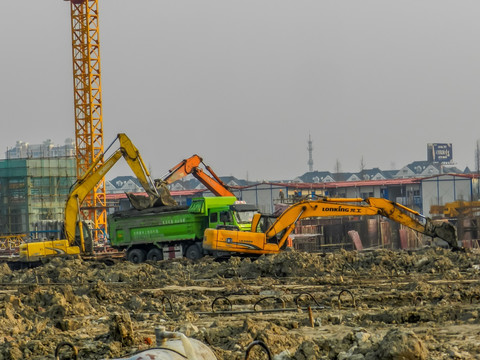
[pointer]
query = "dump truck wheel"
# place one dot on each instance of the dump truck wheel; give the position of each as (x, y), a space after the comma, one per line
(193, 252)
(136, 256)
(155, 254)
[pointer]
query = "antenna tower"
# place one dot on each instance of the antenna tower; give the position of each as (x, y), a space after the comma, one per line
(310, 156)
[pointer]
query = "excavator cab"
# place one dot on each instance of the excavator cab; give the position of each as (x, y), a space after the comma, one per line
(263, 223)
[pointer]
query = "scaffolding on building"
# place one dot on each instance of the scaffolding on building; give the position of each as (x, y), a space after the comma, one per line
(9, 244)
(32, 191)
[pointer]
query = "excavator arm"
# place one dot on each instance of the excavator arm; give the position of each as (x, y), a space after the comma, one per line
(355, 206)
(95, 173)
(182, 169)
(286, 222)
(185, 167)
(191, 166)
(415, 220)
(33, 251)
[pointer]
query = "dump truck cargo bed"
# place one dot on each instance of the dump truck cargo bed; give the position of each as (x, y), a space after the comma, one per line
(154, 225)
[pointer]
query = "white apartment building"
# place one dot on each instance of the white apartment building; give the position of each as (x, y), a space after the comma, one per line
(23, 150)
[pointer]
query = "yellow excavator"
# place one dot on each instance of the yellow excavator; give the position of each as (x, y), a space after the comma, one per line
(77, 235)
(269, 235)
(456, 209)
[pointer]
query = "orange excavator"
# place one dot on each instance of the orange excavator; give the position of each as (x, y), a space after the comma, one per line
(185, 167)
(191, 166)
(269, 235)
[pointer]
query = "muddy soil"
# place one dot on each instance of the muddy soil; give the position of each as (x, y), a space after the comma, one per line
(369, 305)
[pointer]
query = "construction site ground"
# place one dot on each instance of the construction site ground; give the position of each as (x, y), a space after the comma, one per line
(381, 304)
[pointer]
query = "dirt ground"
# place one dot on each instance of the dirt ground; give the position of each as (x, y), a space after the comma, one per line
(382, 304)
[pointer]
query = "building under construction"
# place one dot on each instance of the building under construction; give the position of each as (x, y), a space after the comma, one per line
(33, 190)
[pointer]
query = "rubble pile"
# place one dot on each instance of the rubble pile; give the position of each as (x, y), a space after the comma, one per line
(363, 305)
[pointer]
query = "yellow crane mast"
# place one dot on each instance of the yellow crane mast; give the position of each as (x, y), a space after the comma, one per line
(88, 102)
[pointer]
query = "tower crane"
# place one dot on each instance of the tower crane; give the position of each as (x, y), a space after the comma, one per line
(88, 102)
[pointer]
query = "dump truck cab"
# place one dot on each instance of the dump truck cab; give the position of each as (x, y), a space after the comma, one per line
(236, 216)
(224, 212)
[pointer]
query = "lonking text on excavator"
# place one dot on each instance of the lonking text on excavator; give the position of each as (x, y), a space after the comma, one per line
(269, 236)
(77, 236)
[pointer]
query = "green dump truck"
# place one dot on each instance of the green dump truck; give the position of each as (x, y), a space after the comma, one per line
(175, 231)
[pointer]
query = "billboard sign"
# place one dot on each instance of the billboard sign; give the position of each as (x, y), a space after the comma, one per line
(442, 153)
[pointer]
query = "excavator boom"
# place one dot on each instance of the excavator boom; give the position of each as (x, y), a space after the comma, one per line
(214, 184)
(80, 190)
(182, 169)
(314, 208)
(85, 184)
(192, 166)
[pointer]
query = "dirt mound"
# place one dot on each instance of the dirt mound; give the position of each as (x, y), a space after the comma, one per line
(399, 344)
(364, 305)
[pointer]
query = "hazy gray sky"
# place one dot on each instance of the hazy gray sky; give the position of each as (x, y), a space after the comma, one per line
(244, 83)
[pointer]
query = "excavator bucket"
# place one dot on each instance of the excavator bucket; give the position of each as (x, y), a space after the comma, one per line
(161, 198)
(448, 233)
(165, 198)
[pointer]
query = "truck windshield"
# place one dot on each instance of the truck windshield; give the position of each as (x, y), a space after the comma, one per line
(244, 217)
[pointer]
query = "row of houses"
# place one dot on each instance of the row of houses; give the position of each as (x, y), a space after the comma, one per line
(418, 193)
(417, 169)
